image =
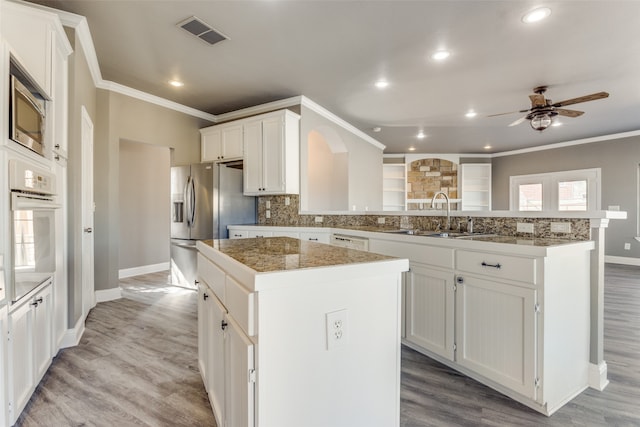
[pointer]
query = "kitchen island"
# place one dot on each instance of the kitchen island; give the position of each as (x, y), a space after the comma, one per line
(295, 333)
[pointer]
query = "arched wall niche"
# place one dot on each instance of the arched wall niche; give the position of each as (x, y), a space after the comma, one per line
(427, 176)
(327, 170)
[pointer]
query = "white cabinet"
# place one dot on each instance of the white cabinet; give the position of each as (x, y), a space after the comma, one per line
(429, 304)
(260, 233)
(29, 347)
(319, 237)
(310, 234)
(4, 331)
(475, 186)
(394, 187)
(271, 151)
(221, 142)
(496, 332)
(225, 352)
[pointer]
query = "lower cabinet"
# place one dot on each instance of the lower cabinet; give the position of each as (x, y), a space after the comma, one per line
(226, 360)
(429, 309)
(496, 332)
(4, 330)
(29, 348)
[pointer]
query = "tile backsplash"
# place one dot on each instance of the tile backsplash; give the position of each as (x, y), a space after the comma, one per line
(282, 214)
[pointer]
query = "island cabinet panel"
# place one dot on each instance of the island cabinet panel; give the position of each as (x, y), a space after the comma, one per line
(305, 345)
(430, 302)
(496, 332)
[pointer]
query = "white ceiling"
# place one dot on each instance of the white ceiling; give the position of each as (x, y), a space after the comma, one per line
(333, 52)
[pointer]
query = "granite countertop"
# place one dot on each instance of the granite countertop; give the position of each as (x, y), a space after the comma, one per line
(271, 254)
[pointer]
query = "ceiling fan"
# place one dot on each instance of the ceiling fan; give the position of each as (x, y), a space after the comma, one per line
(543, 110)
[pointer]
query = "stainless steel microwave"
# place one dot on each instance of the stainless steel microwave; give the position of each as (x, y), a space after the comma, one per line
(28, 117)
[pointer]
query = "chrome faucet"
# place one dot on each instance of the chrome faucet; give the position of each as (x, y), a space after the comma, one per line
(448, 226)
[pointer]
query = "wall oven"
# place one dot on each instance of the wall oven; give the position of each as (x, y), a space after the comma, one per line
(32, 228)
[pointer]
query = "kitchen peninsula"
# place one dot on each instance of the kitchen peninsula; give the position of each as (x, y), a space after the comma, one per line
(294, 333)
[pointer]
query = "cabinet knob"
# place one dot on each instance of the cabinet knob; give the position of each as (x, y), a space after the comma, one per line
(57, 146)
(205, 296)
(460, 280)
(223, 325)
(196, 282)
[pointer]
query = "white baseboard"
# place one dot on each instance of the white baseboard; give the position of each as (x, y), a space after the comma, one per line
(143, 269)
(622, 260)
(72, 336)
(598, 376)
(105, 295)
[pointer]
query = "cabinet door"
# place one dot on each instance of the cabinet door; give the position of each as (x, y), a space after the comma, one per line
(211, 145)
(216, 357)
(232, 142)
(315, 237)
(238, 234)
(252, 170)
(4, 330)
(204, 298)
(430, 300)
(240, 382)
(20, 358)
(496, 332)
(273, 152)
(42, 333)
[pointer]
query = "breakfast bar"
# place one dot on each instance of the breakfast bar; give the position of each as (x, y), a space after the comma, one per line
(298, 333)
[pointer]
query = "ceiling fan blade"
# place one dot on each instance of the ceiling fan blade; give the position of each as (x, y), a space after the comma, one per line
(569, 113)
(580, 99)
(517, 122)
(537, 100)
(503, 114)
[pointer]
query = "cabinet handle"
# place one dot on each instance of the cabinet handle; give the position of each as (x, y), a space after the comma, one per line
(313, 239)
(237, 235)
(39, 300)
(57, 146)
(205, 296)
(196, 282)
(56, 157)
(497, 266)
(34, 304)
(223, 325)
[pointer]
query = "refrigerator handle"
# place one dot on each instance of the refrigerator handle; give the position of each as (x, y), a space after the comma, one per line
(187, 201)
(193, 201)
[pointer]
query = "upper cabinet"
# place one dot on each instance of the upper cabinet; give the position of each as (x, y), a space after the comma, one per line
(475, 186)
(271, 154)
(222, 143)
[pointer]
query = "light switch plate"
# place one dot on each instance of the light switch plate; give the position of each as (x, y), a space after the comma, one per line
(524, 227)
(287, 201)
(267, 214)
(381, 220)
(268, 204)
(561, 227)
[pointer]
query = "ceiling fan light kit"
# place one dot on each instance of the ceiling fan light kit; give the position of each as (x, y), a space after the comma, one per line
(543, 110)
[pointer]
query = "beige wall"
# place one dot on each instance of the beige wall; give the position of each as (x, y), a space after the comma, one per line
(121, 117)
(144, 201)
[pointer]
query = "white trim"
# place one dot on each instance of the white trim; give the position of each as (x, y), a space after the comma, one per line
(622, 260)
(72, 336)
(598, 376)
(259, 109)
(144, 269)
(567, 144)
(105, 295)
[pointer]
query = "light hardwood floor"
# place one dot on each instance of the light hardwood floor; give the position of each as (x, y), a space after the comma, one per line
(136, 365)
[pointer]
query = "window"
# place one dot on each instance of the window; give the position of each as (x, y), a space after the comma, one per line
(577, 190)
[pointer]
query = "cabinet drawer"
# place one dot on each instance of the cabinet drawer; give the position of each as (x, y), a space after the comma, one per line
(497, 265)
(213, 276)
(430, 255)
(315, 237)
(241, 305)
(238, 234)
(260, 233)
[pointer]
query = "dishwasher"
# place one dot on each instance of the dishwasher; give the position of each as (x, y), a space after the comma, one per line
(351, 242)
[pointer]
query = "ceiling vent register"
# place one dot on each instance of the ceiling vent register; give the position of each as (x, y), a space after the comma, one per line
(202, 30)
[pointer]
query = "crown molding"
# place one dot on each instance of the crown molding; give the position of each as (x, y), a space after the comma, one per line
(258, 109)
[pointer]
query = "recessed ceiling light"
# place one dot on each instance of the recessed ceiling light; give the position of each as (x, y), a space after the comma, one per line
(412, 148)
(536, 15)
(382, 83)
(471, 114)
(441, 55)
(176, 83)
(377, 129)
(421, 135)
(487, 147)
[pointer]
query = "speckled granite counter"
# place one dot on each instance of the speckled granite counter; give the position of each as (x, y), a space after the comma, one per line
(285, 253)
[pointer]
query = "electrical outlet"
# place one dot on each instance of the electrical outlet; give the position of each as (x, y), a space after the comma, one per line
(524, 227)
(561, 227)
(287, 201)
(318, 219)
(627, 246)
(381, 220)
(337, 328)
(267, 214)
(267, 204)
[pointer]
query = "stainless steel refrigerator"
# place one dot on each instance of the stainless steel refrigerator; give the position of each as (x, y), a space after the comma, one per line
(205, 198)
